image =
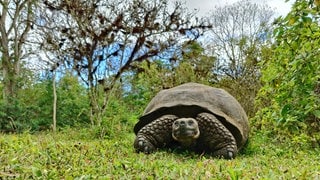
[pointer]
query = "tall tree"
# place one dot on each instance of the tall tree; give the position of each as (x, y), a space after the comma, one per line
(16, 18)
(16, 22)
(240, 40)
(238, 33)
(102, 39)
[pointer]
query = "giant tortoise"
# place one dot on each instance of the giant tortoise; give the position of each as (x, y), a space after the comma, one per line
(196, 117)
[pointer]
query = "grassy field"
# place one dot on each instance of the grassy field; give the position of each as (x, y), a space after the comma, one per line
(79, 154)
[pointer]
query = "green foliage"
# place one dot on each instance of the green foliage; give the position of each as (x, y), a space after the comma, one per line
(290, 97)
(144, 84)
(119, 116)
(36, 101)
(22, 109)
(73, 103)
(77, 154)
(9, 113)
(32, 108)
(195, 66)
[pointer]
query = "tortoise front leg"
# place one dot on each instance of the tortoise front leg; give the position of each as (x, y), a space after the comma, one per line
(155, 135)
(216, 136)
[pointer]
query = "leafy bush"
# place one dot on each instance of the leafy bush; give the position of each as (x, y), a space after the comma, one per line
(290, 97)
(72, 104)
(32, 109)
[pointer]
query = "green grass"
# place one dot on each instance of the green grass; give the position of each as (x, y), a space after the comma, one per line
(78, 154)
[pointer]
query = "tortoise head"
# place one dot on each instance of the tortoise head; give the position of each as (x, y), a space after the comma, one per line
(185, 131)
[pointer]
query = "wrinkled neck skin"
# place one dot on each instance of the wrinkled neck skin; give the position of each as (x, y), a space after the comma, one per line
(188, 144)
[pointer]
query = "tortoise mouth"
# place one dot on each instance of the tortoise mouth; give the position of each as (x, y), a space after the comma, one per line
(186, 137)
(185, 134)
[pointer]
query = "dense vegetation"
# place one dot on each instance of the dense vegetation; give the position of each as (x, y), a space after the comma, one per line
(290, 95)
(89, 77)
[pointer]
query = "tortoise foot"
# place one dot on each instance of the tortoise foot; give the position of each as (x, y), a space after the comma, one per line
(141, 144)
(228, 152)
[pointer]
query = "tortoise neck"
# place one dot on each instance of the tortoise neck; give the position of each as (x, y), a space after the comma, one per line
(188, 144)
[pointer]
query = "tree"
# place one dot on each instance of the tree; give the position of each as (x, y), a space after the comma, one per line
(239, 30)
(195, 65)
(101, 39)
(240, 39)
(16, 22)
(290, 95)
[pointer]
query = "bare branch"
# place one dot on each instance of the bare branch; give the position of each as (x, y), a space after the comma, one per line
(237, 28)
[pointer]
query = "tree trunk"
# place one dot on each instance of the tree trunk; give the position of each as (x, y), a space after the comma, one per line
(9, 80)
(54, 115)
(95, 112)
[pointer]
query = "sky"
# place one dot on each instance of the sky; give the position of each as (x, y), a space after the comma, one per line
(280, 6)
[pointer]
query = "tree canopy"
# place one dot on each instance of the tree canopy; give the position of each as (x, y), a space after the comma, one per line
(101, 40)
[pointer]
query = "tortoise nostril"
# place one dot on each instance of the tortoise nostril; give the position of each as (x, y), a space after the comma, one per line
(190, 122)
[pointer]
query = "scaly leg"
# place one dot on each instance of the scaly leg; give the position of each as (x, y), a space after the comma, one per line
(155, 135)
(215, 137)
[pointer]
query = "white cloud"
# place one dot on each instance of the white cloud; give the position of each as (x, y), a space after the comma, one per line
(204, 6)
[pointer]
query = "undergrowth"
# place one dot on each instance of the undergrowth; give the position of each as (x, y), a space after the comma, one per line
(80, 154)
